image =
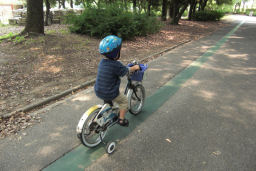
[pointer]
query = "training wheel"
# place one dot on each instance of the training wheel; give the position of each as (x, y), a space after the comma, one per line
(110, 147)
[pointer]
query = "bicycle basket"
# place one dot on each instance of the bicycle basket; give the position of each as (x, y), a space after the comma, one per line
(137, 76)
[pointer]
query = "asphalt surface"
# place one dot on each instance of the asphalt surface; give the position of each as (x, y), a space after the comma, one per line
(207, 123)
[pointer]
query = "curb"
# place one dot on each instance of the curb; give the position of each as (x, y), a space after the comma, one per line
(48, 100)
(70, 91)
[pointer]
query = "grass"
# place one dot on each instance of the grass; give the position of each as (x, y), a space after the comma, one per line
(3, 25)
(19, 39)
(8, 36)
(51, 32)
(30, 41)
(62, 31)
(14, 37)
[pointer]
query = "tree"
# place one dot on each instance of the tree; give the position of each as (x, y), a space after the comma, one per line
(35, 17)
(134, 5)
(164, 10)
(85, 3)
(192, 9)
(202, 4)
(149, 7)
(71, 3)
(47, 14)
(48, 5)
(177, 8)
(63, 3)
(244, 1)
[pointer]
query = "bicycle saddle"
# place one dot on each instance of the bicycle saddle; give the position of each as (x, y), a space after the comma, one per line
(108, 102)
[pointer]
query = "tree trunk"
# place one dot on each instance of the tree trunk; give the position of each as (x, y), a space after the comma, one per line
(164, 10)
(203, 4)
(181, 12)
(71, 3)
(134, 5)
(192, 9)
(48, 6)
(200, 3)
(174, 12)
(171, 7)
(178, 10)
(149, 7)
(125, 5)
(63, 4)
(35, 17)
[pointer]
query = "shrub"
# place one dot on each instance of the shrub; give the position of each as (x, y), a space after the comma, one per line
(248, 11)
(113, 20)
(208, 15)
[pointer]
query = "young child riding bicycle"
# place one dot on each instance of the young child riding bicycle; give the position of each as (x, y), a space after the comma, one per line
(109, 72)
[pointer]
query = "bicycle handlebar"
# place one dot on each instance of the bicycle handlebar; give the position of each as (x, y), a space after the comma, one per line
(137, 75)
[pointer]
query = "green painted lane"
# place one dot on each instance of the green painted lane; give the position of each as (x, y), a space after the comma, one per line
(81, 157)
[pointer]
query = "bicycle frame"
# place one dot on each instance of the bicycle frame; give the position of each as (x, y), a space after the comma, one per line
(131, 86)
(106, 107)
(106, 115)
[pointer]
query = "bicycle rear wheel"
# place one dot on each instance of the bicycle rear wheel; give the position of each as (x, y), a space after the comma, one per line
(90, 135)
(136, 100)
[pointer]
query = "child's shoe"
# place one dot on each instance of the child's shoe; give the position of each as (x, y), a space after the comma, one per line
(123, 122)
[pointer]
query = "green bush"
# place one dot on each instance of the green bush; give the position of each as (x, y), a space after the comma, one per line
(247, 12)
(208, 15)
(113, 20)
(238, 11)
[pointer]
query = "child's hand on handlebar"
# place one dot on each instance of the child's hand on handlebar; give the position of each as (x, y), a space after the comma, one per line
(134, 68)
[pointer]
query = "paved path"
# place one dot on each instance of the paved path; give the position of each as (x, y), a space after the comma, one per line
(201, 119)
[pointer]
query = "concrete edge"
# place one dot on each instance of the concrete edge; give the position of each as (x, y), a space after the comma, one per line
(83, 85)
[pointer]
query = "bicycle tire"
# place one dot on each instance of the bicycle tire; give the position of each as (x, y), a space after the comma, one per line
(85, 136)
(136, 105)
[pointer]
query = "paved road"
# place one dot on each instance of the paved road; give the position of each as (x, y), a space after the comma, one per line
(198, 118)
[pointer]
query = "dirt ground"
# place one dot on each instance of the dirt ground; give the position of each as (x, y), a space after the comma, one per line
(41, 67)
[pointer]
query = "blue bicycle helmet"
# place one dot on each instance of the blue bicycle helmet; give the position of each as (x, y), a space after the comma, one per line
(110, 46)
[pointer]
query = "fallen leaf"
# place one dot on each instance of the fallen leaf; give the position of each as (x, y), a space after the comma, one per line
(168, 140)
(217, 153)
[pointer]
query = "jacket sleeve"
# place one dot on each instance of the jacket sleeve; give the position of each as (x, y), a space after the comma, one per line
(121, 70)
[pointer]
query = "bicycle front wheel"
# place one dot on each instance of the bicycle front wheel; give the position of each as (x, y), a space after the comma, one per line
(91, 132)
(136, 99)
